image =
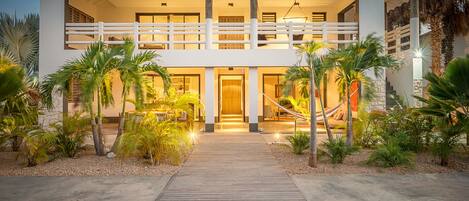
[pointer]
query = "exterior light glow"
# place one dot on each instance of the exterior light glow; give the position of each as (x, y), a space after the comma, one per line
(193, 136)
(277, 137)
(418, 53)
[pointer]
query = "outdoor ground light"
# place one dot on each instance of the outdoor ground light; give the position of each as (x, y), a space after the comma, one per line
(277, 137)
(194, 137)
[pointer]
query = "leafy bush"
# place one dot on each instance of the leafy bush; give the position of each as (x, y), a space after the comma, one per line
(337, 150)
(70, 134)
(36, 145)
(156, 141)
(368, 127)
(299, 142)
(445, 141)
(390, 155)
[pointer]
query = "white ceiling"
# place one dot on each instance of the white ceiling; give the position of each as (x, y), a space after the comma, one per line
(218, 3)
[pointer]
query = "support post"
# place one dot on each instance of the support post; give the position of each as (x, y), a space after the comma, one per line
(417, 69)
(253, 100)
(209, 24)
(209, 100)
(253, 27)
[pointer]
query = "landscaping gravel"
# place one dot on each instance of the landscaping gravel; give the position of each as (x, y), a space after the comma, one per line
(87, 164)
(356, 164)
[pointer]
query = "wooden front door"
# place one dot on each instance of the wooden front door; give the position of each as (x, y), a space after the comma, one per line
(231, 97)
(231, 37)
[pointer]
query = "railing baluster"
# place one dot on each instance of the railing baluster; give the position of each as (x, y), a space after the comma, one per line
(136, 36)
(290, 35)
(171, 36)
(100, 31)
(324, 32)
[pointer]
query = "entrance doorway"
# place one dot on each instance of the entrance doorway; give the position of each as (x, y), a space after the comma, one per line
(231, 98)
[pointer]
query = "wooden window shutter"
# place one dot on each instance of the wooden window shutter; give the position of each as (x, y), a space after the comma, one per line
(318, 17)
(75, 91)
(269, 17)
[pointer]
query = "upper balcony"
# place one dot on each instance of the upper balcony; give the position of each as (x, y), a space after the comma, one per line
(183, 24)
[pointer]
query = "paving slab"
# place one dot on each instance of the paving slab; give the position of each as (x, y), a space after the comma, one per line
(389, 187)
(115, 188)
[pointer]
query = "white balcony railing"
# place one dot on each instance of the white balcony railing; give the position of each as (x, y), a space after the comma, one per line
(193, 35)
(398, 41)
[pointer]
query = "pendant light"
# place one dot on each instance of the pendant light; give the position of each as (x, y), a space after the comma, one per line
(297, 16)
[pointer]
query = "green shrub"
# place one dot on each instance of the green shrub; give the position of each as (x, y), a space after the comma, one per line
(70, 134)
(156, 141)
(36, 145)
(299, 142)
(367, 127)
(390, 155)
(337, 150)
(445, 140)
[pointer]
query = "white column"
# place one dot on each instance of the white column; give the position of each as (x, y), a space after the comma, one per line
(371, 15)
(51, 56)
(253, 100)
(209, 99)
(417, 70)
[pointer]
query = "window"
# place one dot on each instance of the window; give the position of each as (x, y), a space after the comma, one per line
(75, 91)
(269, 18)
(78, 16)
(318, 17)
(166, 18)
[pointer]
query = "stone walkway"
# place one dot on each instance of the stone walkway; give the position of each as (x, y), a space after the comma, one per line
(231, 167)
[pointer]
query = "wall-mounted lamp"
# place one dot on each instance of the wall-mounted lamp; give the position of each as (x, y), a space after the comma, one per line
(231, 4)
(164, 4)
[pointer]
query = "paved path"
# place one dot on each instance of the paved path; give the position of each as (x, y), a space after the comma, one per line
(115, 188)
(231, 167)
(389, 187)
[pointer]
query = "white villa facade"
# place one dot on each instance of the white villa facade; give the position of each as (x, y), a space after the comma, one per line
(229, 52)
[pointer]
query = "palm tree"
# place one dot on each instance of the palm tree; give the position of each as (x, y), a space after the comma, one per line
(311, 51)
(131, 69)
(433, 12)
(455, 23)
(93, 71)
(20, 37)
(448, 95)
(352, 63)
(300, 76)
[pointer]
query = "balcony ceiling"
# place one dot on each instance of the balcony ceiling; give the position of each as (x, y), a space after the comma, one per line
(218, 3)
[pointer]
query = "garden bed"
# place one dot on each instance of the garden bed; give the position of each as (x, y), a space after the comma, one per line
(356, 163)
(87, 164)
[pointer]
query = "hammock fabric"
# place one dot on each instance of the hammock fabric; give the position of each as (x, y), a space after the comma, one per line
(329, 112)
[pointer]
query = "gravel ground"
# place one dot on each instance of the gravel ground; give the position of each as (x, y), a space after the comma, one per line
(87, 164)
(356, 164)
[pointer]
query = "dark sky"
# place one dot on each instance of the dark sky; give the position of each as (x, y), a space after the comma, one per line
(21, 7)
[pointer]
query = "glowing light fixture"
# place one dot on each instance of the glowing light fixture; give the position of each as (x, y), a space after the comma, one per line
(295, 16)
(418, 53)
(277, 137)
(194, 137)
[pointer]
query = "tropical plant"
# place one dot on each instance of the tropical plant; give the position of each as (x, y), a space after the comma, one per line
(93, 70)
(390, 154)
(448, 95)
(299, 142)
(131, 68)
(446, 139)
(434, 12)
(70, 134)
(368, 126)
(20, 38)
(352, 63)
(300, 76)
(158, 142)
(36, 145)
(455, 23)
(337, 150)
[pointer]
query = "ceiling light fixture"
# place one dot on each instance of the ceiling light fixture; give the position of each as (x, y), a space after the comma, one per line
(294, 16)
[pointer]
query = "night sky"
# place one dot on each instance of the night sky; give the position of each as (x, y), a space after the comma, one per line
(21, 7)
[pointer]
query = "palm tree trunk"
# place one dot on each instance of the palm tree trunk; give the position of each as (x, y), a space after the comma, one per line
(100, 125)
(324, 116)
(448, 48)
(436, 37)
(349, 140)
(313, 159)
(120, 128)
(94, 129)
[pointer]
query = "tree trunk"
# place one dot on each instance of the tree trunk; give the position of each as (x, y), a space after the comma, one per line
(313, 144)
(120, 128)
(436, 37)
(324, 116)
(448, 41)
(100, 125)
(349, 140)
(94, 129)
